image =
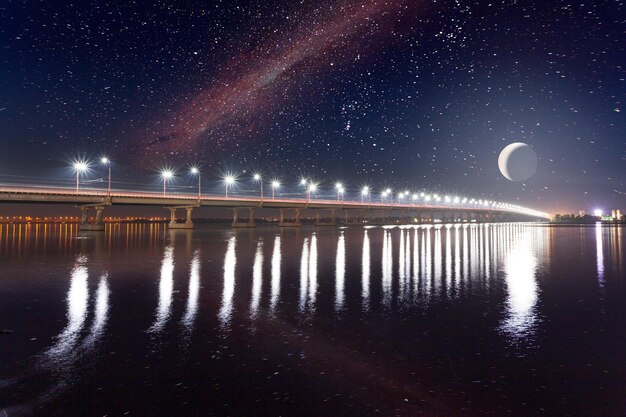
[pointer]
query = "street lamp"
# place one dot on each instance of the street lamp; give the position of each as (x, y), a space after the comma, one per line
(167, 175)
(339, 187)
(311, 189)
(275, 186)
(388, 192)
(196, 171)
(257, 177)
(365, 191)
(229, 181)
(107, 162)
(79, 167)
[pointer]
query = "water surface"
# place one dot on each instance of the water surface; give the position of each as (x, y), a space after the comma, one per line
(446, 320)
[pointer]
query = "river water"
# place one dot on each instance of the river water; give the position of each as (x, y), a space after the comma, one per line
(446, 320)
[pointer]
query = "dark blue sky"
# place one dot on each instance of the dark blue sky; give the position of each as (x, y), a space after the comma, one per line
(406, 94)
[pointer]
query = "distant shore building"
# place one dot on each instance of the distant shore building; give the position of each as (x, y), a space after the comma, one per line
(616, 214)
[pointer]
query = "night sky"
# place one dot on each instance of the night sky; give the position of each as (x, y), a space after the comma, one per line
(402, 93)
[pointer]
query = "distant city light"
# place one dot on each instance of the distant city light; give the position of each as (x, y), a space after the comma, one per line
(597, 212)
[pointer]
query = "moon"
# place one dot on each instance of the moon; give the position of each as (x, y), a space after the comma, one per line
(517, 162)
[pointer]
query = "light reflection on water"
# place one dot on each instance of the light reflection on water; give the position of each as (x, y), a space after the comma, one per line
(193, 292)
(101, 313)
(599, 255)
(388, 273)
(520, 269)
(77, 304)
(226, 310)
(166, 290)
(257, 280)
(340, 272)
(276, 260)
(365, 272)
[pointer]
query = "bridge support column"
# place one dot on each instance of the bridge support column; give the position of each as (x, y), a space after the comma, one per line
(287, 223)
(188, 224)
(84, 215)
(188, 220)
(249, 224)
(97, 225)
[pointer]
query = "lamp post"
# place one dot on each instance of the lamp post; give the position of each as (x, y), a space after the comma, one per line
(310, 189)
(107, 162)
(80, 167)
(229, 180)
(365, 191)
(339, 187)
(275, 186)
(196, 171)
(257, 177)
(166, 174)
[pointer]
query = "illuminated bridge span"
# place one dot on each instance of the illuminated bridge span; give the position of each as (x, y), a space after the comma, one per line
(290, 210)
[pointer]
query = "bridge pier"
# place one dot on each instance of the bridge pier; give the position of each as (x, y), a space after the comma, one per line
(286, 223)
(188, 224)
(97, 225)
(249, 224)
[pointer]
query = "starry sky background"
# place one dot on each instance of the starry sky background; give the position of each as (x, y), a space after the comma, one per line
(402, 93)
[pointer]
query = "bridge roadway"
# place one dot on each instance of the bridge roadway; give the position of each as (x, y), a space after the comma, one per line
(93, 199)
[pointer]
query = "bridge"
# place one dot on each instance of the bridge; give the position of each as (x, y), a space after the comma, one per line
(289, 210)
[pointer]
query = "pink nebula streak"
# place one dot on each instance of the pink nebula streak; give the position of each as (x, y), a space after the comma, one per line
(251, 84)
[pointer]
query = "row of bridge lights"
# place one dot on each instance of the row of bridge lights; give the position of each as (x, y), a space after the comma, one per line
(311, 187)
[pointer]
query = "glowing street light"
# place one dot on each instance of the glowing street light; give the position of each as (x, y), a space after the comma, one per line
(79, 167)
(229, 181)
(390, 194)
(365, 191)
(275, 186)
(310, 189)
(597, 212)
(196, 171)
(257, 177)
(339, 187)
(107, 162)
(167, 175)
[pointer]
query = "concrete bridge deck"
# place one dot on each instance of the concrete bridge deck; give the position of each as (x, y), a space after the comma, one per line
(94, 199)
